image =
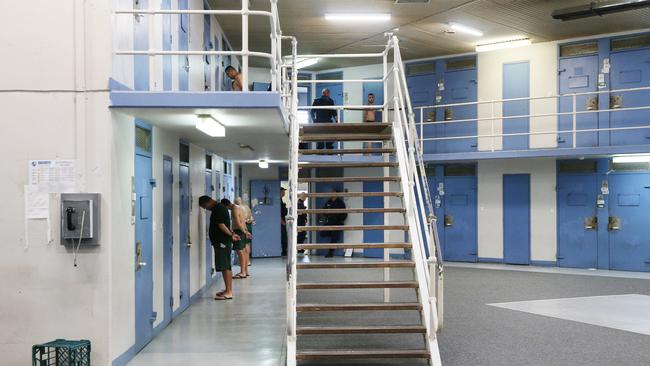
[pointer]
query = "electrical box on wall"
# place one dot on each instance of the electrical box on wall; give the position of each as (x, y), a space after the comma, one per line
(80, 218)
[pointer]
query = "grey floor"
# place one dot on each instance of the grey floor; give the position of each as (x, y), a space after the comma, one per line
(250, 329)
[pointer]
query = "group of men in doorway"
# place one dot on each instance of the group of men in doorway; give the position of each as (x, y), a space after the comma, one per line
(228, 231)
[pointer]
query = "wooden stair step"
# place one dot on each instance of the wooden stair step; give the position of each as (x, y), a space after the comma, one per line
(347, 179)
(385, 306)
(382, 329)
(354, 285)
(346, 137)
(354, 194)
(352, 227)
(311, 354)
(347, 151)
(344, 164)
(312, 246)
(350, 210)
(346, 127)
(358, 264)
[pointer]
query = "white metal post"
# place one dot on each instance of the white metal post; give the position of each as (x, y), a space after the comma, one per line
(575, 121)
(492, 125)
(421, 128)
(244, 44)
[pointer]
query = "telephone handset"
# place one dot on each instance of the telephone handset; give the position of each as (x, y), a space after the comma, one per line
(69, 215)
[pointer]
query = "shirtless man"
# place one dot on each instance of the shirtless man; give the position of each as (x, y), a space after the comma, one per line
(248, 218)
(235, 76)
(370, 115)
(239, 228)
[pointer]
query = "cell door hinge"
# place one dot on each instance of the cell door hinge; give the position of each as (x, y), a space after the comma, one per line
(171, 301)
(152, 182)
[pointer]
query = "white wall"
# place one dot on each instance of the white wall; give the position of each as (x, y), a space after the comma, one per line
(543, 206)
(543, 61)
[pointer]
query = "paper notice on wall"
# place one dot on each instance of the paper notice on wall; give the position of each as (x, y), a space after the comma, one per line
(37, 203)
(57, 176)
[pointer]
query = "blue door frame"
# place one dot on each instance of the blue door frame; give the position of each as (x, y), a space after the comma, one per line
(184, 233)
(516, 218)
(168, 240)
(183, 45)
(209, 191)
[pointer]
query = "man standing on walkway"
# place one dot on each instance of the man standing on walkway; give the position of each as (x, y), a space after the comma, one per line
(221, 237)
(334, 219)
(324, 115)
(239, 227)
(236, 78)
(250, 220)
(283, 222)
(302, 219)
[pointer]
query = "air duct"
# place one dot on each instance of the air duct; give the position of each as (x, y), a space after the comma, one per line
(598, 9)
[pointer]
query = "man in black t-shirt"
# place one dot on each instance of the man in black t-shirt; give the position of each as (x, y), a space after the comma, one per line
(221, 237)
(284, 240)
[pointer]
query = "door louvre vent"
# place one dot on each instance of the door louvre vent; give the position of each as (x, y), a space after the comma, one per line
(630, 42)
(143, 139)
(578, 49)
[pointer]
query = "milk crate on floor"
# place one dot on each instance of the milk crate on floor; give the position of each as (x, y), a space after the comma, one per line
(61, 353)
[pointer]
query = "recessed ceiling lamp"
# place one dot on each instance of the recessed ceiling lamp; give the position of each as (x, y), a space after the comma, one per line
(465, 29)
(208, 125)
(263, 164)
(503, 44)
(631, 159)
(358, 17)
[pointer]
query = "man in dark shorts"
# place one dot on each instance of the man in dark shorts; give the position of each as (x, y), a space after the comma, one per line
(239, 227)
(221, 237)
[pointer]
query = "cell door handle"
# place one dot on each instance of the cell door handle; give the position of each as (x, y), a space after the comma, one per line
(614, 223)
(591, 223)
(615, 101)
(142, 264)
(449, 221)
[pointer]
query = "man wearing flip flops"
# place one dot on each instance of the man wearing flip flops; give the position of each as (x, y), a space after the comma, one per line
(239, 227)
(222, 238)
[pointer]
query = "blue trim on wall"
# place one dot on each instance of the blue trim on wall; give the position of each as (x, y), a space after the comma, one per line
(114, 85)
(148, 99)
(543, 263)
(125, 357)
(567, 153)
(490, 260)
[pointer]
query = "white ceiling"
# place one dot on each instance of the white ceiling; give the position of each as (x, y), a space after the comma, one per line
(421, 26)
(261, 128)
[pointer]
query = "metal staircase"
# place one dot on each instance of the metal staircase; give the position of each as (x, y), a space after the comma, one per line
(410, 286)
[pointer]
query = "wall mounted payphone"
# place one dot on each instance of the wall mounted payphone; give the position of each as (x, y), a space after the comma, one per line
(80, 218)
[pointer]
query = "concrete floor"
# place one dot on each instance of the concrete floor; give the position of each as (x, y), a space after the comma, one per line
(250, 329)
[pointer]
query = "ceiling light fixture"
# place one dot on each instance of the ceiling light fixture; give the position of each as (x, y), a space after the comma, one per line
(263, 164)
(208, 125)
(465, 29)
(631, 159)
(503, 44)
(306, 62)
(359, 17)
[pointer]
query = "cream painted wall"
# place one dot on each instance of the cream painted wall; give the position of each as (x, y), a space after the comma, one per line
(543, 82)
(543, 206)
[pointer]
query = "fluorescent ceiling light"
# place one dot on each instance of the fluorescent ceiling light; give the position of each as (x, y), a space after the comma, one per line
(263, 164)
(208, 125)
(360, 17)
(465, 29)
(632, 159)
(503, 44)
(306, 62)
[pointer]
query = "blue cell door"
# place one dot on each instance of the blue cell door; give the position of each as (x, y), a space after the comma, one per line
(229, 187)
(184, 235)
(630, 69)
(207, 59)
(460, 241)
(144, 316)
(141, 43)
(576, 220)
(183, 45)
(209, 191)
(579, 75)
(167, 45)
(168, 239)
(629, 222)
(516, 84)
(460, 87)
(378, 90)
(373, 236)
(516, 218)
(422, 89)
(265, 199)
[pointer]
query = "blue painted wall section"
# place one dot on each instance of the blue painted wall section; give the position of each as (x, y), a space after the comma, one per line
(516, 84)
(373, 236)
(516, 218)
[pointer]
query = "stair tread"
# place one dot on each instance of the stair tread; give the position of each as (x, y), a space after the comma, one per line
(385, 306)
(346, 127)
(351, 210)
(352, 227)
(357, 264)
(346, 137)
(344, 164)
(374, 329)
(307, 354)
(346, 151)
(348, 179)
(355, 194)
(309, 246)
(361, 284)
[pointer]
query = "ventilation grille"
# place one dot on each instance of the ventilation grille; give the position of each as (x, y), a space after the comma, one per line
(465, 63)
(421, 68)
(184, 153)
(629, 167)
(578, 49)
(460, 170)
(577, 166)
(143, 139)
(630, 42)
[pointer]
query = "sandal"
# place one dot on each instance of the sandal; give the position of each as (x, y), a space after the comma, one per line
(238, 276)
(222, 297)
